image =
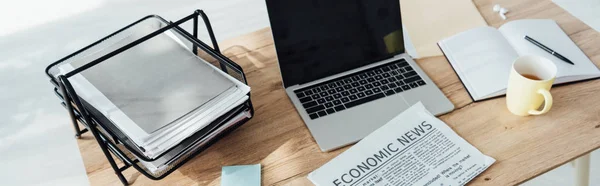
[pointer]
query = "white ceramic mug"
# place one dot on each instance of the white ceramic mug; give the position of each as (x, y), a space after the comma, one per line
(529, 84)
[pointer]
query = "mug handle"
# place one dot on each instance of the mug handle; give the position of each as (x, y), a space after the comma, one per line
(547, 104)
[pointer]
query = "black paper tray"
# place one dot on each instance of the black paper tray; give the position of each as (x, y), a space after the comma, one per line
(108, 136)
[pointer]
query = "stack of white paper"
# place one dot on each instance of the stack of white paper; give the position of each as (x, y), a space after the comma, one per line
(157, 93)
(166, 160)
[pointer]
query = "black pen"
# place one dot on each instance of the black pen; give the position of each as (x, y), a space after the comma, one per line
(544, 47)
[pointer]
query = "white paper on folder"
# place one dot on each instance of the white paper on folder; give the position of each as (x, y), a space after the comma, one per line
(164, 162)
(165, 137)
(155, 82)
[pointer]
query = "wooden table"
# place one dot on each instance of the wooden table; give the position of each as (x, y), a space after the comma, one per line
(524, 147)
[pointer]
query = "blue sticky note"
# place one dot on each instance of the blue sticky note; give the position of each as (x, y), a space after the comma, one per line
(240, 175)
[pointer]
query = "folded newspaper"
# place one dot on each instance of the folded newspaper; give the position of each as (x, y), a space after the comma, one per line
(414, 148)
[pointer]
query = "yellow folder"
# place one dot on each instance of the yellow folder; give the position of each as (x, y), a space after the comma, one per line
(429, 21)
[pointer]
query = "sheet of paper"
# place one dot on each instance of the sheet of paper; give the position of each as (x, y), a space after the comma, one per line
(584, 10)
(171, 134)
(414, 148)
(482, 58)
(165, 137)
(547, 32)
(429, 21)
(240, 175)
(179, 82)
(164, 162)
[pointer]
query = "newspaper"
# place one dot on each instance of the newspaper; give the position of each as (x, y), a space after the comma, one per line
(414, 148)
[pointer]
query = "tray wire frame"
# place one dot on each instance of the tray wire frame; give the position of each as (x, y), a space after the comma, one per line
(107, 140)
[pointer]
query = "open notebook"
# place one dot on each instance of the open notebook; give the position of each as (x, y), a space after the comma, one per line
(482, 57)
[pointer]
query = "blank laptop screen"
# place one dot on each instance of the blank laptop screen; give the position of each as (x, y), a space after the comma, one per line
(319, 38)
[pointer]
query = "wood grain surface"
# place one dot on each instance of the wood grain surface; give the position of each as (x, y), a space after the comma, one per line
(277, 138)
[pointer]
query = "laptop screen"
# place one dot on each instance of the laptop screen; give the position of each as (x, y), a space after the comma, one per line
(320, 38)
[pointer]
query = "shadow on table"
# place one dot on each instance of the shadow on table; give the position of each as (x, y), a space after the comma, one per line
(276, 137)
(240, 53)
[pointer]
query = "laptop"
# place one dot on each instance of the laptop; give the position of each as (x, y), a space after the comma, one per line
(344, 66)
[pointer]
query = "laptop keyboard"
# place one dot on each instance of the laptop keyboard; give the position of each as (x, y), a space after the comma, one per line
(355, 89)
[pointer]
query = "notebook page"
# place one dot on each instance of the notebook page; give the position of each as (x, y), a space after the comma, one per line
(547, 32)
(482, 59)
